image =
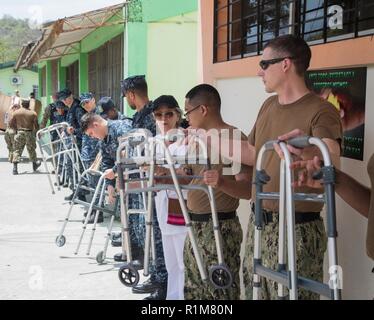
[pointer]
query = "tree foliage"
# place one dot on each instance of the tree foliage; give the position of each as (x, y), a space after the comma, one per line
(14, 33)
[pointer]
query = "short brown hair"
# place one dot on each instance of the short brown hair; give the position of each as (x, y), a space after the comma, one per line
(25, 104)
(295, 47)
(88, 119)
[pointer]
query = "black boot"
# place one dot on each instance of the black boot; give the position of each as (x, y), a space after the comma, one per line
(36, 165)
(159, 294)
(116, 239)
(91, 220)
(149, 286)
(15, 169)
(136, 252)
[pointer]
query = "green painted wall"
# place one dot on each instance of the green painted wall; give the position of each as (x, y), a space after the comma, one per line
(172, 58)
(157, 47)
(135, 49)
(135, 52)
(61, 75)
(155, 10)
(49, 81)
(83, 73)
(30, 79)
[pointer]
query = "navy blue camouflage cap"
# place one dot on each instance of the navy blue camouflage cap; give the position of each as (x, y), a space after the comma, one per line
(86, 97)
(133, 82)
(105, 104)
(63, 94)
(60, 105)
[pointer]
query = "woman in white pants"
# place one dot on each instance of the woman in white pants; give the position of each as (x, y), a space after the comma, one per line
(168, 116)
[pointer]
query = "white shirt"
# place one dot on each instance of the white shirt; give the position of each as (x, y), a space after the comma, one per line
(15, 100)
(161, 200)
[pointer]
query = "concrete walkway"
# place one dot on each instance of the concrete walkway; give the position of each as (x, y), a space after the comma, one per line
(31, 265)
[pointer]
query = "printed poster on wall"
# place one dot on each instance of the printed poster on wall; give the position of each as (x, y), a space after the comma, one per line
(345, 89)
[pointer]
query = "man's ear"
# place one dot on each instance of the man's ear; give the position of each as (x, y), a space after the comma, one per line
(286, 65)
(204, 109)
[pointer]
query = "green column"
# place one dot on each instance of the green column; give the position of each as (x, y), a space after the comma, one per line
(135, 52)
(83, 72)
(49, 81)
(40, 82)
(61, 76)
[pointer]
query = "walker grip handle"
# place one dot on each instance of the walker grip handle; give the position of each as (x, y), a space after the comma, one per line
(300, 142)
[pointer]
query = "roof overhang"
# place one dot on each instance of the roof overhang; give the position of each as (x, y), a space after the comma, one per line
(63, 37)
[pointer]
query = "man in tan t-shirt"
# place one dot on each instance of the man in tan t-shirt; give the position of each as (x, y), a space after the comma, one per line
(26, 123)
(283, 66)
(203, 112)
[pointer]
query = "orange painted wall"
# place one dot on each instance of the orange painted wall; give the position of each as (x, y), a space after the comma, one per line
(346, 53)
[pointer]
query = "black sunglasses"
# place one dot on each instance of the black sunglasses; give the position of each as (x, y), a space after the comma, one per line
(264, 64)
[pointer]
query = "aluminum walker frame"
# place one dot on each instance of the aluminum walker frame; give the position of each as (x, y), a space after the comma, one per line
(96, 203)
(219, 275)
(59, 151)
(286, 276)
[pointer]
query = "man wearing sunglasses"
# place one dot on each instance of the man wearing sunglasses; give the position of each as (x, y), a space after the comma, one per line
(283, 66)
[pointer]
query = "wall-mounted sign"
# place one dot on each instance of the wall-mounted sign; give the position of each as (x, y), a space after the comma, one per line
(346, 90)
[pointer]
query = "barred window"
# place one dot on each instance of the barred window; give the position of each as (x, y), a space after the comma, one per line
(243, 27)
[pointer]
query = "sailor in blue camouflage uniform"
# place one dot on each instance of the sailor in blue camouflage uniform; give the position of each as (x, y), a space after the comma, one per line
(73, 116)
(109, 111)
(90, 146)
(108, 132)
(136, 222)
(135, 90)
(58, 115)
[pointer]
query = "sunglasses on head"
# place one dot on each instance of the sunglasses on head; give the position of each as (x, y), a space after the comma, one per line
(264, 64)
(160, 115)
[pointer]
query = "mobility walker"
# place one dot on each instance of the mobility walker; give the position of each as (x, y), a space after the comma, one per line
(286, 276)
(96, 203)
(219, 275)
(59, 151)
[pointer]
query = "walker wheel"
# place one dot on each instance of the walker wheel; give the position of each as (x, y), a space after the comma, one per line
(60, 241)
(100, 257)
(128, 275)
(220, 276)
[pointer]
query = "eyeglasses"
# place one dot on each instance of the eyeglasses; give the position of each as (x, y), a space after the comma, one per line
(160, 115)
(186, 115)
(264, 64)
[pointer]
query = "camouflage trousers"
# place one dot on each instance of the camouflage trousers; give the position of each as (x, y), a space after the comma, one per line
(311, 244)
(158, 269)
(232, 236)
(9, 136)
(136, 222)
(22, 139)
